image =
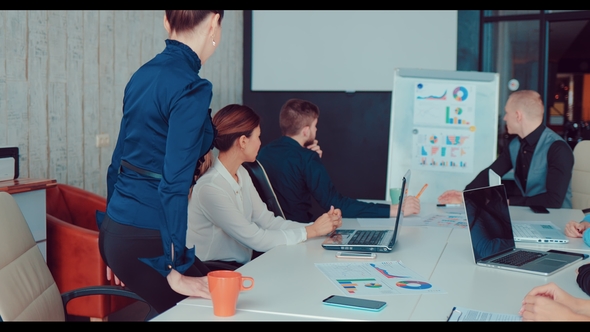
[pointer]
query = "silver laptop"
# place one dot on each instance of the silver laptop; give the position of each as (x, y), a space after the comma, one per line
(492, 239)
(542, 232)
(531, 232)
(370, 240)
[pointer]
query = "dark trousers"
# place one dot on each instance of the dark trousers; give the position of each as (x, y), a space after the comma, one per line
(121, 246)
(223, 265)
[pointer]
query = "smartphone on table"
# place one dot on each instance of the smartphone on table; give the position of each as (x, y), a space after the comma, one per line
(539, 209)
(354, 303)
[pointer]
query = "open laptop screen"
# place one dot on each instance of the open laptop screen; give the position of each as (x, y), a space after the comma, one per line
(489, 221)
(404, 192)
(400, 214)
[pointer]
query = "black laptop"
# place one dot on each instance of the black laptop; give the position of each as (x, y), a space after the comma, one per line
(492, 239)
(370, 240)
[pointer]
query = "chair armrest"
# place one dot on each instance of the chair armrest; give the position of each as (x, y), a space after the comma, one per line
(105, 290)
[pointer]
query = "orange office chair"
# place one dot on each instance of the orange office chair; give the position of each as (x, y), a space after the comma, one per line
(72, 249)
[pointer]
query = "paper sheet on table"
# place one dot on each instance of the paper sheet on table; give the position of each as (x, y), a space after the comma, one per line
(449, 219)
(460, 314)
(452, 209)
(376, 278)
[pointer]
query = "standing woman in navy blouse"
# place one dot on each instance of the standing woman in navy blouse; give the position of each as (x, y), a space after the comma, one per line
(165, 129)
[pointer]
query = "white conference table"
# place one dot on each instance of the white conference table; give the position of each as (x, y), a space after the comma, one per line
(288, 285)
(191, 313)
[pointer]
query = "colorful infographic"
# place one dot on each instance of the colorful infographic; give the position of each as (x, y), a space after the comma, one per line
(378, 278)
(442, 149)
(351, 286)
(446, 105)
(413, 284)
(446, 220)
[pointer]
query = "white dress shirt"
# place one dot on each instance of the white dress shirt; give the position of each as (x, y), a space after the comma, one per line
(227, 219)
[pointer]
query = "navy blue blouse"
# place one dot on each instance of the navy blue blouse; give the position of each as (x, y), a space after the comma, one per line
(166, 127)
(297, 173)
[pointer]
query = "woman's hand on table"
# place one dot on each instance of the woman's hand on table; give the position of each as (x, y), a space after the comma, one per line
(189, 286)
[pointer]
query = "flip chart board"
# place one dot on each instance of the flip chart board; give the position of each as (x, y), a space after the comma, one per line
(443, 127)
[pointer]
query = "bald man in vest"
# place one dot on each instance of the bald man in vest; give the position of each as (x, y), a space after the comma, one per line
(541, 159)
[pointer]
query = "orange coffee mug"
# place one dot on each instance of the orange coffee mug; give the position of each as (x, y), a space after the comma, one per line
(225, 286)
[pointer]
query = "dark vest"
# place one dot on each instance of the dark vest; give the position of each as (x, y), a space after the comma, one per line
(538, 169)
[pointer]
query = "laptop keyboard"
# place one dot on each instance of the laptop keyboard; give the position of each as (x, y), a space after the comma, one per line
(519, 258)
(367, 237)
(524, 230)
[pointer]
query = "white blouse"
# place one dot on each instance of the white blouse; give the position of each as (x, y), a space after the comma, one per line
(227, 219)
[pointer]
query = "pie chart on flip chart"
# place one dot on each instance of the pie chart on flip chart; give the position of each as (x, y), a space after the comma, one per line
(460, 93)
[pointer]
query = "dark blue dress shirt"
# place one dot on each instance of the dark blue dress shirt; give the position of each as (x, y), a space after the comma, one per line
(166, 127)
(297, 173)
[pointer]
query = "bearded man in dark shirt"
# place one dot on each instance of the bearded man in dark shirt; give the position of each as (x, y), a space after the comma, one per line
(296, 173)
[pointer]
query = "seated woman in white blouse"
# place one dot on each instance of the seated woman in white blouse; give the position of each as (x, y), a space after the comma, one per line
(227, 218)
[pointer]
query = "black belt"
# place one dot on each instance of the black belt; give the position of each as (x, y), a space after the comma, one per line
(140, 171)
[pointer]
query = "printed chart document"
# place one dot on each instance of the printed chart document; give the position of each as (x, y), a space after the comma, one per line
(452, 210)
(441, 219)
(376, 278)
(460, 314)
(449, 219)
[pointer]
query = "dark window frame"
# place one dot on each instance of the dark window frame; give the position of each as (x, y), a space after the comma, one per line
(545, 19)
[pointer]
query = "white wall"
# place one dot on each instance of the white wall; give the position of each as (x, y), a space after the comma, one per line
(62, 76)
(328, 50)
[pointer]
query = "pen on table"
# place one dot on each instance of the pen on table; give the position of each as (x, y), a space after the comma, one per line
(448, 205)
(421, 190)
